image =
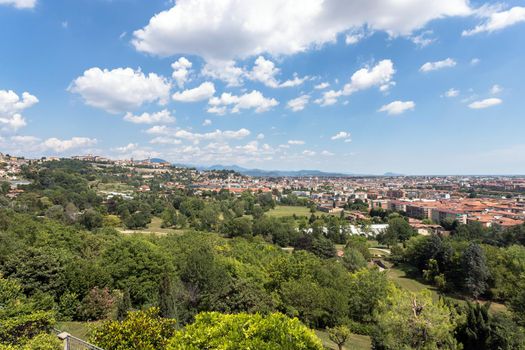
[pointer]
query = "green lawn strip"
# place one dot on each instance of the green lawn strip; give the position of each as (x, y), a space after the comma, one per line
(356, 342)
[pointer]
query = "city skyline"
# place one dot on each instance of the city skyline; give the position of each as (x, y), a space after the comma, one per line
(361, 87)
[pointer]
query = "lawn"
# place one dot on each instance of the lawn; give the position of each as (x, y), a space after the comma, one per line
(114, 187)
(402, 275)
(287, 210)
(356, 342)
(155, 227)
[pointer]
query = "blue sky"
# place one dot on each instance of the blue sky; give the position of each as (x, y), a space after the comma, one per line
(416, 87)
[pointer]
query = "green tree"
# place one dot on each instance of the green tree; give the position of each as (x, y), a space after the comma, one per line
(339, 335)
(475, 270)
(141, 330)
(407, 320)
(216, 331)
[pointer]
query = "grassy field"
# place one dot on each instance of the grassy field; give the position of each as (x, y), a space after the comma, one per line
(356, 342)
(403, 277)
(154, 228)
(286, 210)
(114, 187)
(78, 329)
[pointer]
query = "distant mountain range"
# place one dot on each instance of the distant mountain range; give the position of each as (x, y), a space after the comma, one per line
(270, 173)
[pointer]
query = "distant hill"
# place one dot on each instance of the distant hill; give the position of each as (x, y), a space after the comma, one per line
(392, 174)
(157, 160)
(276, 173)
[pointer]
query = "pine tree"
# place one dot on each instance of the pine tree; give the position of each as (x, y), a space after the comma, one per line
(124, 306)
(166, 297)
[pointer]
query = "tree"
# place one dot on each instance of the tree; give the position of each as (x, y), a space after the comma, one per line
(339, 335)
(91, 219)
(212, 330)
(166, 297)
(353, 260)
(124, 305)
(141, 330)
(407, 320)
(475, 271)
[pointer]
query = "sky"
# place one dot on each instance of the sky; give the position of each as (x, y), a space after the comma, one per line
(353, 86)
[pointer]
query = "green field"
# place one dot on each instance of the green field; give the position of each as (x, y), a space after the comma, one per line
(287, 210)
(402, 275)
(154, 228)
(114, 187)
(356, 342)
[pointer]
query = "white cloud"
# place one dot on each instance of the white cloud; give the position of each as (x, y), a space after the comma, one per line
(191, 136)
(59, 146)
(298, 104)
(431, 66)
(423, 39)
(295, 142)
(452, 92)
(496, 89)
(354, 38)
(309, 153)
(202, 92)
(322, 86)
(19, 4)
(341, 135)
(266, 72)
(475, 61)
(163, 116)
(498, 21)
(206, 122)
(181, 71)
(230, 29)
(11, 106)
(379, 75)
(125, 149)
(120, 89)
(327, 153)
(254, 99)
(260, 136)
(398, 107)
(489, 102)
(224, 70)
(163, 140)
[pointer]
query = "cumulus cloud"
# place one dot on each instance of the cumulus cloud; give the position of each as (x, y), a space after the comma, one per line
(202, 92)
(252, 100)
(11, 106)
(342, 135)
(354, 38)
(191, 136)
(380, 75)
(327, 153)
(163, 116)
(498, 20)
(206, 122)
(298, 104)
(423, 39)
(224, 70)
(431, 66)
(59, 146)
(321, 86)
(181, 71)
(230, 29)
(126, 149)
(19, 4)
(488, 102)
(309, 153)
(452, 92)
(266, 72)
(296, 142)
(398, 107)
(120, 89)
